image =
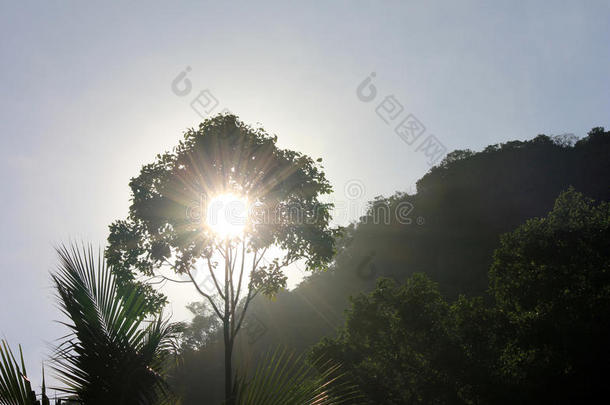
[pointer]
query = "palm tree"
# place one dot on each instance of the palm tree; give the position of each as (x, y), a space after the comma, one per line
(113, 354)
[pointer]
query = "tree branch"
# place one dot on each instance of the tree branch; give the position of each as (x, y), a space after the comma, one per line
(231, 266)
(220, 315)
(241, 271)
(259, 259)
(214, 278)
(249, 299)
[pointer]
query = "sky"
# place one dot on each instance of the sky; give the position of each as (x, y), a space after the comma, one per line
(91, 92)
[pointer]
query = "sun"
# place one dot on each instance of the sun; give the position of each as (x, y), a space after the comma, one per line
(227, 215)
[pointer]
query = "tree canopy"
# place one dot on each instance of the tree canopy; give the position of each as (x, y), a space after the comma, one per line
(543, 338)
(179, 200)
(166, 223)
(551, 278)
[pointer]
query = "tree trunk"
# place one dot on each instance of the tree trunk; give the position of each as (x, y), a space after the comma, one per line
(227, 326)
(228, 368)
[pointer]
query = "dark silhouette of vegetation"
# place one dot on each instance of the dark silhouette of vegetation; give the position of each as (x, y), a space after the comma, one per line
(543, 339)
(114, 354)
(399, 344)
(466, 203)
(15, 387)
(224, 157)
(551, 279)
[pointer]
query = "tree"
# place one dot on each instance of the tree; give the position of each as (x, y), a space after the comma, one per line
(399, 344)
(202, 329)
(170, 226)
(551, 277)
(114, 354)
(404, 344)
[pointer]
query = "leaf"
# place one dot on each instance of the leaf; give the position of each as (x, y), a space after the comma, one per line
(15, 388)
(114, 354)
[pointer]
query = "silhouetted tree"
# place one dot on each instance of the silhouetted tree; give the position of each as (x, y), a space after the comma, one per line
(399, 344)
(202, 329)
(551, 277)
(224, 156)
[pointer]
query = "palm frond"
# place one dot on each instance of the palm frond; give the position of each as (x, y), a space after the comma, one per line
(15, 388)
(113, 353)
(283, 378)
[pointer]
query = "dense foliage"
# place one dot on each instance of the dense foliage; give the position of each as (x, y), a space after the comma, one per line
(551, 279)
(399, 344)
(543, 339)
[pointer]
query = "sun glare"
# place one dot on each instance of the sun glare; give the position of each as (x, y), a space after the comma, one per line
(227, 215)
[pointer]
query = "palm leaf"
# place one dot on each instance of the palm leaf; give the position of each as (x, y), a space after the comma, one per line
(284, 379)
(15, 388)
(113, 354)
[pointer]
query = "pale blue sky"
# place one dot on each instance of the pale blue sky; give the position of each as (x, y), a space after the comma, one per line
(86, 100)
